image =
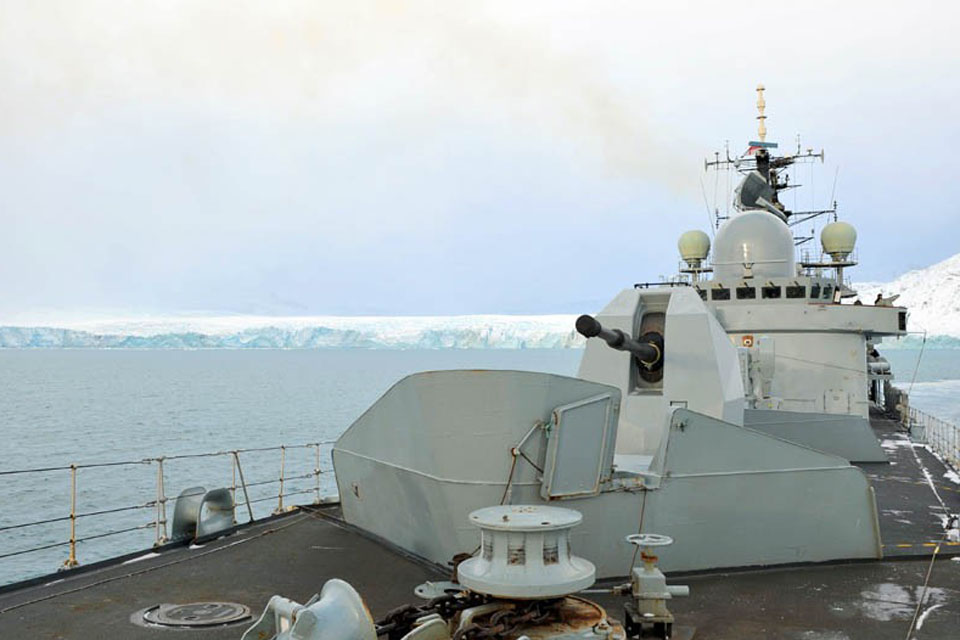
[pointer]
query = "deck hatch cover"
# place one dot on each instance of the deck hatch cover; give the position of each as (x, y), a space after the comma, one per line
(196, 614)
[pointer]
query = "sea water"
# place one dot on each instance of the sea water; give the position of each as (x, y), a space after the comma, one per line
(59, 407)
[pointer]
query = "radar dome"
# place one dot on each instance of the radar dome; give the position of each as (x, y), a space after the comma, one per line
(694, 247)
(838, 240)
(754, 244)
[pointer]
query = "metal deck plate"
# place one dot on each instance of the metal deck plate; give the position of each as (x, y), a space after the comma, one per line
(196, 614)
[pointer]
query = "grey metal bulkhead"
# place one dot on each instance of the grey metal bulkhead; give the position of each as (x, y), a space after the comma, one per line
(438, 445)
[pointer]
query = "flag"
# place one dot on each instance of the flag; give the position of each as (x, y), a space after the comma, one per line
(755, 146)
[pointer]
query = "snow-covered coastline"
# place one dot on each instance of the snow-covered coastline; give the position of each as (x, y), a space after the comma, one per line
(932, 295)
(304, 332)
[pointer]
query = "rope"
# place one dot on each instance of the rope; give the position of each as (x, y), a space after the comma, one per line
(636, 549)
(821, 364)
(923, 591)
(41, 548)
(506, 488)
(118, 531)
(292, 493)
(919, 358)
(706, 204)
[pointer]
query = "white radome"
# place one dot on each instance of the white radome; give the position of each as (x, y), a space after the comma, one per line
(838, 239)
(694, 246)
(755, 243)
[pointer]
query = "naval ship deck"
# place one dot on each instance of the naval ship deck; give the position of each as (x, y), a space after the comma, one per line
(293, 555)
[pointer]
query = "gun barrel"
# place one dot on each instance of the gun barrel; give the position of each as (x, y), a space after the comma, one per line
(647, 352)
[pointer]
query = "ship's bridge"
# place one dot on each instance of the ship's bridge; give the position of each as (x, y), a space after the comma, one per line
(760, 292)
(800, 303)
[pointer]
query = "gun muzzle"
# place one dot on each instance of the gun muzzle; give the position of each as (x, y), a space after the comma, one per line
(648, 353)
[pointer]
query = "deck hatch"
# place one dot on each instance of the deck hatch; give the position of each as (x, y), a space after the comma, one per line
(195, 615)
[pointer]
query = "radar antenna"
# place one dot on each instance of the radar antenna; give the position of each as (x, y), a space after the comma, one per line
(761, 118)
(762, 173)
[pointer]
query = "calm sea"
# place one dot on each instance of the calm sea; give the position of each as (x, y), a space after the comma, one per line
(59, 407)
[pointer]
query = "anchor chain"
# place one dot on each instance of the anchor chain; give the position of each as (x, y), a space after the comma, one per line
(507, 623)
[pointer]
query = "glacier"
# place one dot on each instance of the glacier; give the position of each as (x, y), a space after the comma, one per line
(318, 332)
(932, 295)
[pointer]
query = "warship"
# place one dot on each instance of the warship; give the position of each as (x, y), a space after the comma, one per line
(734, 427)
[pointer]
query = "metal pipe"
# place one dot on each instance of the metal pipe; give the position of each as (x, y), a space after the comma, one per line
(243, 483)
(71, 560)
(233, 487)
(316, 473)
(283, 456)
(161, 519)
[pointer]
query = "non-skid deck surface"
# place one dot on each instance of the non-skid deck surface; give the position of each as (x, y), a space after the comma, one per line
(915, 497)
(292, 556)
(873, 600)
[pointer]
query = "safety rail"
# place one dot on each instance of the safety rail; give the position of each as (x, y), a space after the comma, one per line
(288, 487)
(942, 437)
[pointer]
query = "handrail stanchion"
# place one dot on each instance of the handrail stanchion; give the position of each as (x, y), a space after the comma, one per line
(161, 520)
(71, 560)
(243, 484)
(283, 457)
(316, 473)
(233, 487)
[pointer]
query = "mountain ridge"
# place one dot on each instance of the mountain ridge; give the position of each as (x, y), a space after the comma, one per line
(931, 294)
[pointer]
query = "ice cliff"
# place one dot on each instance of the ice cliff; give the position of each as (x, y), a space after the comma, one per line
(932, 295)
(244, 332)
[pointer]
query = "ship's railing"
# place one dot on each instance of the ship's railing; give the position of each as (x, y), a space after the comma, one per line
(292, 481)
(941, 436)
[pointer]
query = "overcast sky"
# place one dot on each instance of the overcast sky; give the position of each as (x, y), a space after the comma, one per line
(444, 157)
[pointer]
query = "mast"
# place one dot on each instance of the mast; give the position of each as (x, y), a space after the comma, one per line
(762, 172)
(761, 118)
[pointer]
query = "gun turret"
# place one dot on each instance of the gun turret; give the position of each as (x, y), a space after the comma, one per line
(648, 349)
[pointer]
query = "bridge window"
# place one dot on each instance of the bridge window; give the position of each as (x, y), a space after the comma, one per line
(827, 292)
(720, 293)
(771, 292)
(746, 293)
(815, 291)
(796, 291)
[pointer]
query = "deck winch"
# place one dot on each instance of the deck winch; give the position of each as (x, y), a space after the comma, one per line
(525, 554)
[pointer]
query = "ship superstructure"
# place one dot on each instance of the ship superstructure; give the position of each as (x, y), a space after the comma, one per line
(711, 398)
(822, 370)
(808, 362)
